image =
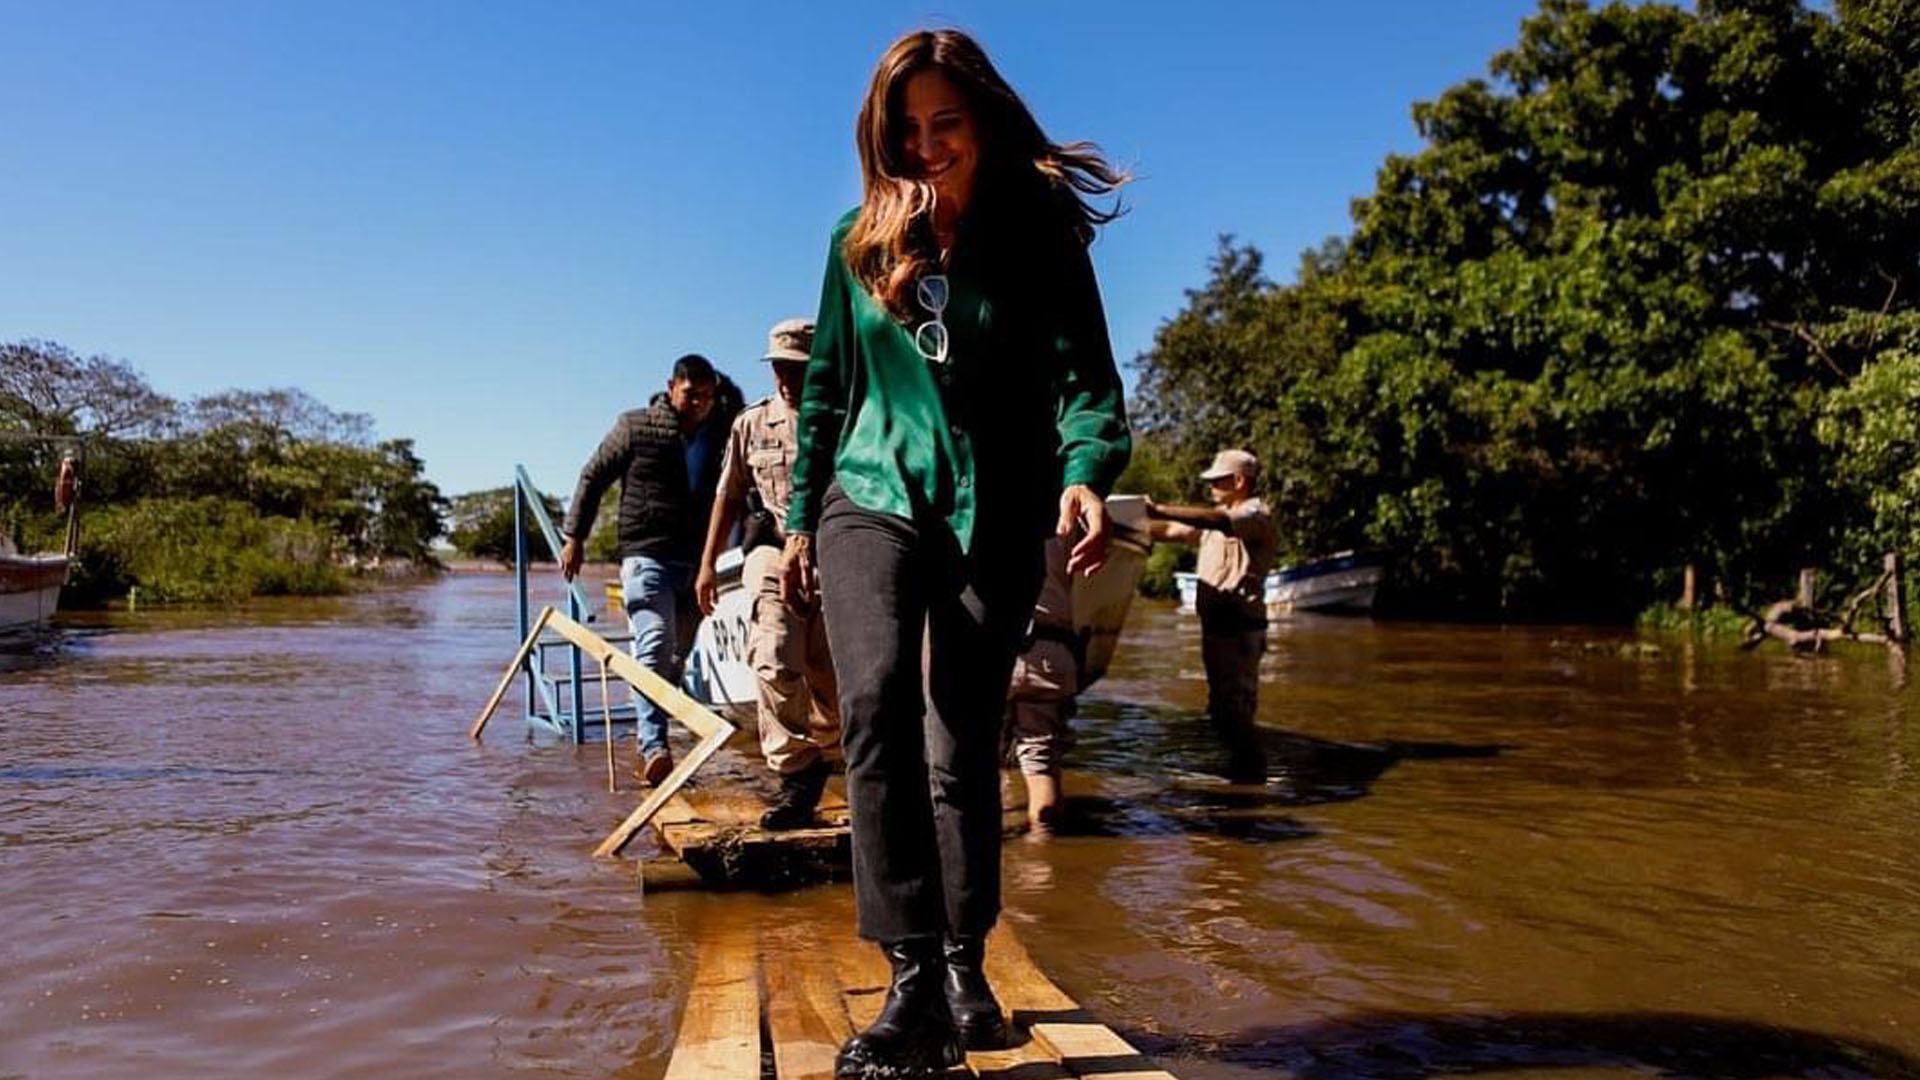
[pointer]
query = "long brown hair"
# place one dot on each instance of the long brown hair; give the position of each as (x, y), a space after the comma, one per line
(890, 245)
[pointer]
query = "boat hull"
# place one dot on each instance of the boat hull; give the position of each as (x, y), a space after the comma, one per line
(717, 673)
(1350, 592)
(1343, 582)
(29, 592)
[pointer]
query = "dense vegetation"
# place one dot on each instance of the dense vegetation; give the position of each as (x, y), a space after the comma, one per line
(209, 500)
(482, 527)
(1648, 297)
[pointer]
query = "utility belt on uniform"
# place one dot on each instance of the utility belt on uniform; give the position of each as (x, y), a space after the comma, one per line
(759, 529)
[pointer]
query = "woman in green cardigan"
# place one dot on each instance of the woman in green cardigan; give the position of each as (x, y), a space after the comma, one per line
(961, 403)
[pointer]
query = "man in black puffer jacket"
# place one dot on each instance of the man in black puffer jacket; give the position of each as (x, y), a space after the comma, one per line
(659, 533)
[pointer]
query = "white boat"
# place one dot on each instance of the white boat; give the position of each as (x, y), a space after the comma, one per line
(717, 673)
(1343, 581)
(1100, 602)
(30, 584)
(29, 591)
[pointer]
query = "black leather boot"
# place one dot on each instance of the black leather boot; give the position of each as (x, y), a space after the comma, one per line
(799, 794)
(914, 1036)
(976, 1012)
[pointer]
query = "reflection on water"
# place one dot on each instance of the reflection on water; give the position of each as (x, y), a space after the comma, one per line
(1387, 1046)
(257, 842)
(1165, 793)
(1496, 850)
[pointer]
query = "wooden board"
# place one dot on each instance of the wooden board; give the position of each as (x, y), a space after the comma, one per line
(718, 835)
(506, 680)
(1056, 1021)
(822, 985)
(712, 730)
(720, 1030)
(864, 975)
(658, 875)
(1027, 1059)
(806, 1017)
(716, 831)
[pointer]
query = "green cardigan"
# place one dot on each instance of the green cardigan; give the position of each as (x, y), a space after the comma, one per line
(1028, 403)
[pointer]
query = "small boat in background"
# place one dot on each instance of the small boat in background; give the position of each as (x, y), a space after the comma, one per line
(30, 584)
(29, 591)
(1345, 581)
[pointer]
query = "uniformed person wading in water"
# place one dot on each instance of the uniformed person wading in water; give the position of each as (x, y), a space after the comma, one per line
(786, 647)
(1236, 540)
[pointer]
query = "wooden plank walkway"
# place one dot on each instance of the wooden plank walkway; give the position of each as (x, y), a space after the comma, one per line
(716, 833)
(791, 999)
(720, 1031)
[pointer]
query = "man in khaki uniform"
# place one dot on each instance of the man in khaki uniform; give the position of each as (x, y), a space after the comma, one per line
(1236, 540)
(798, 712)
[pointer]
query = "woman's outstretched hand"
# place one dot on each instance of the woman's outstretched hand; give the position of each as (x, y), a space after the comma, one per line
(1086, 513)
(798, 585)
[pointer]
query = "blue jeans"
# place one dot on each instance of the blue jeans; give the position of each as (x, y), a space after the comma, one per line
(654, 591)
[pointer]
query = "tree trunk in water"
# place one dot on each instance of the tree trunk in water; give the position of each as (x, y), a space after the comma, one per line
(1688, 586)
(1804, 598)
(1896, 598)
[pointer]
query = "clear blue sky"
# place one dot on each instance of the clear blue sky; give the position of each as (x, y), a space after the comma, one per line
(491, 226)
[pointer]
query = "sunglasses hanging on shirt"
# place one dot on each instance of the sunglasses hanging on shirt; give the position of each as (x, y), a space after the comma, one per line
(930, 337)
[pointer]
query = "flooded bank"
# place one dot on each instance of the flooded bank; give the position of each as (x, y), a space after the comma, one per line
(250, 843)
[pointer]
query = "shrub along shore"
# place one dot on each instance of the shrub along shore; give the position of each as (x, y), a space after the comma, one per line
(208, 501)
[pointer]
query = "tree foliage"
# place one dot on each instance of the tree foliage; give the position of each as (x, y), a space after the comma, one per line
(275, 490)
(1584, 336)
(482, 525)
(46, 388)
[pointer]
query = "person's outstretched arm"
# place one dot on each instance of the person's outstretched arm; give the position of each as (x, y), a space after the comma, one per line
(1197, 517)
(1171, 532)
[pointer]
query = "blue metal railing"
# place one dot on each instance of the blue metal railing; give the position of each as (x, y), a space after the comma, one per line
(563, 715)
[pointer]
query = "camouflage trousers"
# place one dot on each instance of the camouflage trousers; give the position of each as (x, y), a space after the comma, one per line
(1038, 731)
(799, 710)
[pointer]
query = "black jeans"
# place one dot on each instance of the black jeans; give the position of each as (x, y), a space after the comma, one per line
(923, 641)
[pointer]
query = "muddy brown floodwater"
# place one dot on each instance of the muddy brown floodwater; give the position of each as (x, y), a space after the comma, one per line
(258, 844)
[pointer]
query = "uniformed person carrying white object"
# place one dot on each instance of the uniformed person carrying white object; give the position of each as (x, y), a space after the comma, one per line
(798, 704)
(1236, 539)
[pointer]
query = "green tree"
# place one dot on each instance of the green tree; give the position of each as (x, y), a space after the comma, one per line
(1582, 337)
(603, 543)
(409, 512)
(46, 388)
(1871, 429)
(256, 491)
(482, 525)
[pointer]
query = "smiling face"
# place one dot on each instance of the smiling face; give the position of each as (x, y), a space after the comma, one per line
(939, 137)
